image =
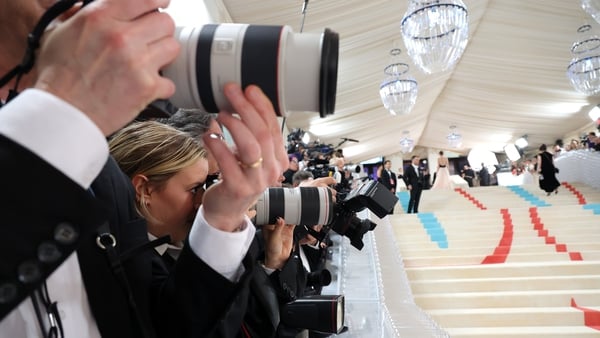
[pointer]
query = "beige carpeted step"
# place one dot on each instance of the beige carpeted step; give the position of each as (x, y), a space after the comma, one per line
(504, 299)
(416, 251)
(580, 282)
(513, 317)
(527, 295)
(475, 258)
(523, 332)
(529, 269)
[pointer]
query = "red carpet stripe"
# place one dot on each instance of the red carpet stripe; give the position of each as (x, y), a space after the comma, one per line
(551, 240)
(503, 249)
(581, 200)
(591, 317)
(470, 198)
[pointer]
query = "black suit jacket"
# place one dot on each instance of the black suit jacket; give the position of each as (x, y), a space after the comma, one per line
(388, 180)
(412, 177)
(484, 176)
(468, 174)
(41, 207)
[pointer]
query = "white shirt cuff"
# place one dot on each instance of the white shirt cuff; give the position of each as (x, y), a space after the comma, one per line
(222, 251)
(57, 132)
(268, 271)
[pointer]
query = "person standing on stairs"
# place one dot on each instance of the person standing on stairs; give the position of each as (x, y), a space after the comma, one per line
(413, 178)
(388, 178)
(442, 180)
(547, 171)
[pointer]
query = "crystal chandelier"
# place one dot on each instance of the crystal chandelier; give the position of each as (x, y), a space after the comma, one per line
(592, 7)
(398, 91)
(584, 69)
(435, 33)
(454, 138)
(407, 144)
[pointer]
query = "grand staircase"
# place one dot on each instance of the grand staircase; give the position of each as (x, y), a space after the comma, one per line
(496, 261)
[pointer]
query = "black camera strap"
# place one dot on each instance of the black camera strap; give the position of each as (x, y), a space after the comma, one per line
(319, 235)
(33, 40)
(33, 43)
(107, 242)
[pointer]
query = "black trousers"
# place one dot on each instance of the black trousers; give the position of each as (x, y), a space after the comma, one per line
(415, 196)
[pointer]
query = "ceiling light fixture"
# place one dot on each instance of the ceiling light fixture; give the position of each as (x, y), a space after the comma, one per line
(398, 91)
(407, 144)
(592, 7)
(454, 138)
(435, 33)
(584, 69)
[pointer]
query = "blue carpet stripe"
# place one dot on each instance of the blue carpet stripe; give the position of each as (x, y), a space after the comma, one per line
(527, 196)
(403, 197)
(434, 229)
(595, 207)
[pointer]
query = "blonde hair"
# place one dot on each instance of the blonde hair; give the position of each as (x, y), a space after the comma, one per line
(155, 150)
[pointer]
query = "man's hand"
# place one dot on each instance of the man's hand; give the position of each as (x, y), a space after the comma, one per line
(279, 241)
(256, 164)
(105, 59)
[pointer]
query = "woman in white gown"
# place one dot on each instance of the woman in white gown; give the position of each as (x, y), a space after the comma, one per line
(442, 176)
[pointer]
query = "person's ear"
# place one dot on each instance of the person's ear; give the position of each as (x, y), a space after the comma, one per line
(141, 184)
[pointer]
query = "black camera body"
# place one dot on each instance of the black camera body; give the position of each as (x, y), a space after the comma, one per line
(314, 205)
(306, 206)
(322, 313)
(371, 195)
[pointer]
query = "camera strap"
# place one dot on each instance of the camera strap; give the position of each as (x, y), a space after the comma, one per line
(107, 242)
(33, 40)
(33, 43)
(319, 235)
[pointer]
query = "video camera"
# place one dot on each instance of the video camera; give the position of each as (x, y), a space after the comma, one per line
(315, 205)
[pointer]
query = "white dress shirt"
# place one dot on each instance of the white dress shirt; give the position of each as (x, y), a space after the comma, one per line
(67, 139)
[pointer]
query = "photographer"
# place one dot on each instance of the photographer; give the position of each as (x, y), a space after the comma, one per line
(305, 307)
(285, 267)
(291, 280)
(53, 143)
(145, 150)
(293, 168)
(341, 178)
(168, 169)
(196, 123)
(311, 250)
